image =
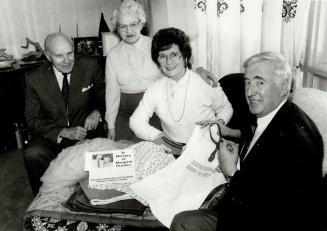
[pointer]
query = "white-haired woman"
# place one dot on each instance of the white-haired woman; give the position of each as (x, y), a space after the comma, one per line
(129, 70)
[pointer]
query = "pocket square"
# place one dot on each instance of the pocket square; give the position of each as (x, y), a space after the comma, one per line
(84, 89)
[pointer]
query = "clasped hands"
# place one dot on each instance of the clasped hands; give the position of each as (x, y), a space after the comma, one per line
(78, 132)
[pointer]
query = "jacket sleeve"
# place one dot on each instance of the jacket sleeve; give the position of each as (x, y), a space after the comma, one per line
(36, 120)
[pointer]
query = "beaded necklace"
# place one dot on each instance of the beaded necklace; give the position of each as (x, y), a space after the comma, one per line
(170, 114)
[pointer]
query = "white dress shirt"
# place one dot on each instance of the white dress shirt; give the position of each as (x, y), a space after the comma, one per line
(59, 75)
(129, 69)
(263, 123)
(179, 105)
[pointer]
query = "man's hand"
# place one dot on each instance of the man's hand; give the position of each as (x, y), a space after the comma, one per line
(111, 133)
(92, 120)
(207, 76)
(74, 133)
(227, 157)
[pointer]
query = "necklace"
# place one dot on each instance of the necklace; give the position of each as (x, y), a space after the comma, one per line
(170, 114)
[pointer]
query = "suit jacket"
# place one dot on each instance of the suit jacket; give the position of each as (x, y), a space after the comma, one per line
(278, 186)
(45, 110)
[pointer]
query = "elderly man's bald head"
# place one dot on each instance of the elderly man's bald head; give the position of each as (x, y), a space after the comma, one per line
(59, 50)
(52, 38)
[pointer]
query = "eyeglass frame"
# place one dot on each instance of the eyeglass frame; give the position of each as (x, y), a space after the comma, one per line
(171, 56)
(132, 26)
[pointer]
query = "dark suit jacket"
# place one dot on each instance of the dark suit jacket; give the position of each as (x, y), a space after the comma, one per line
(45, 110)
(278, 186)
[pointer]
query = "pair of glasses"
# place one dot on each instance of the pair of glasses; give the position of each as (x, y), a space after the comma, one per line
(173, 56)
(215, 136)
(132, 26)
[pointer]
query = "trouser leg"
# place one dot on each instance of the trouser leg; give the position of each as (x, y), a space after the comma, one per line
(195, 220)
(37, 157)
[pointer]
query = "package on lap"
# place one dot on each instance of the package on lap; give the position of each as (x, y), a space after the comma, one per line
(185, 183)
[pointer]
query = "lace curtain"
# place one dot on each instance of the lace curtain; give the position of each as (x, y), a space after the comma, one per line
(317, 51)
(36, 18)
(232, 30)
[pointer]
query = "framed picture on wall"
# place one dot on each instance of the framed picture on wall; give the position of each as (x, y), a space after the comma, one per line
(86, 46)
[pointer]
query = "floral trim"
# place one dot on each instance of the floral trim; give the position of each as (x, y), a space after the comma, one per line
(242, 9)
(51, 224)
(289, 10)
(201, 5)
(222, 6)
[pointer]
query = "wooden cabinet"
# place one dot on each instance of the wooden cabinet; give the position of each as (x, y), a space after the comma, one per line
(12, 105)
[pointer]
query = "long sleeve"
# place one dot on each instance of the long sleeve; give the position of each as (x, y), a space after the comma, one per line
(36, 119)
(222, 107)
(112, 93)
(139, 121)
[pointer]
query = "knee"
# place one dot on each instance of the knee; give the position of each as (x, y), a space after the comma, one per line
(33, 154)
(180, 221)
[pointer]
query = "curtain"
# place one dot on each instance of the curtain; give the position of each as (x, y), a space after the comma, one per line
(316, 53)
(232, 30)
(37, 18)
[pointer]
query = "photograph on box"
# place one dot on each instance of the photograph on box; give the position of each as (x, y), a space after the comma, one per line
(108, 167)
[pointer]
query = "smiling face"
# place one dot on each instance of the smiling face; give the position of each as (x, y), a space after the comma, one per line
(60, 53)
(172, 63)
(129, 28)
(263, 93)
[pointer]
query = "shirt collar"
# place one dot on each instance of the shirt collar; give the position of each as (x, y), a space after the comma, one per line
(138, 45)
(265, 120)
(182, 81)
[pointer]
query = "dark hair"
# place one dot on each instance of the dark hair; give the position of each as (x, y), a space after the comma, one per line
(165, 38)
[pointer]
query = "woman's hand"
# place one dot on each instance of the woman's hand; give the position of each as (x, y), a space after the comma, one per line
(207, 76)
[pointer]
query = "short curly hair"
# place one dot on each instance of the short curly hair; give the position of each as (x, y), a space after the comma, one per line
(164, 40)
(128, 7)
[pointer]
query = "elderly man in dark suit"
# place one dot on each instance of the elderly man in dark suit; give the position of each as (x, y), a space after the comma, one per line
(279, 183)
(64, 103)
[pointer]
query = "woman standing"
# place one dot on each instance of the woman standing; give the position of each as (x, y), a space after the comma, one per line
(180, 98)
(129, 70)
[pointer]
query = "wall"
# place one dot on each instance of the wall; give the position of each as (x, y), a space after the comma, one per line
(36, 18)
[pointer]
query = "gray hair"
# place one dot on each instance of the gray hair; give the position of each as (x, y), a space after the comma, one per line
(128, 7)
(281, 68)
(48, 40)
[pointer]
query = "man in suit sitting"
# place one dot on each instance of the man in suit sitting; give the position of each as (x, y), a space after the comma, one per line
(64, 103)
(279, 184)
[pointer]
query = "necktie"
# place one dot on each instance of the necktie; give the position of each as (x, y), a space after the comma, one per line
(65, 89)
(248, 140)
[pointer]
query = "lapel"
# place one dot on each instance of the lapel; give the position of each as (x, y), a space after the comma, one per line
(272, 131)
(76, 83)
(53, 89)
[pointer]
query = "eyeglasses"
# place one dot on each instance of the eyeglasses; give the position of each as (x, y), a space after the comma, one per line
(173, 56)
(132, 26)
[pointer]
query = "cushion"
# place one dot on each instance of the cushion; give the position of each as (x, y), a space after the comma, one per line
(314, 103)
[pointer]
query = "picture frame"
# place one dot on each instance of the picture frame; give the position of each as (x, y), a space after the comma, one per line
(86, 46)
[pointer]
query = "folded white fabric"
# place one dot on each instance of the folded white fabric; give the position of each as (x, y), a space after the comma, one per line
(68, 168)
(185, 183)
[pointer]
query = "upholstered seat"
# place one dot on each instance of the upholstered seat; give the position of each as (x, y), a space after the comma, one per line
(314, 103)
(233, 86)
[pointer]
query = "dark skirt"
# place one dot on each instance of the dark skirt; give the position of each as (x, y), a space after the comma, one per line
(128, 104)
